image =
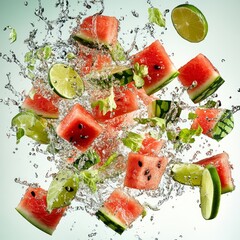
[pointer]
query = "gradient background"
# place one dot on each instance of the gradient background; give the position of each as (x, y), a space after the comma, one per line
(179, 218)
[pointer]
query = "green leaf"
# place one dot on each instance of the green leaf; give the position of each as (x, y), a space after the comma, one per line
(192, 116)
(88, 159)
(44, 53)
(12, 34)
(155, 121)
(155, 16)
(20, 133)
(106, 105)
(139, 72)
(133, 141)
(187, 135)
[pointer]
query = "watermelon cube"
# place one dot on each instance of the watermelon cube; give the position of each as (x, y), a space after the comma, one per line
(119, 211)
(200, 78)
(33, 207)
(79, 128)
(216, 123)
(224, 169)
(161, 70)
(144, 172)
(97, 30)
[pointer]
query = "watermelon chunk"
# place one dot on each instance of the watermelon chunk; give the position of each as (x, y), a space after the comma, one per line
(79, 128)
(144, 172)
(97, 30)
(200, 77)
(126, 102)
(90, 59)
(119, 211)
(216, 123)
(161, 70)
(33, 207)
(42, 106)
(222, 164)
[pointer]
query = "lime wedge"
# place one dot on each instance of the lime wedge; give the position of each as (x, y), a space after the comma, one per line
(189, 22)
(62, 189)
(65, 81)
(31, 125)
(187, 173)
(210, 192)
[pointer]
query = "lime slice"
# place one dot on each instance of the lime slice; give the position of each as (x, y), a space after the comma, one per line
(31, 125)
(187, 173)
(65, 81)
(210, 192)
(62, 189)
(189, 22)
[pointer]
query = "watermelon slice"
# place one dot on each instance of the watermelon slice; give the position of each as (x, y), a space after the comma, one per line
(200, 77)
(42, 106)
(216, 123)
(119, 211)
(221, 162)
(33, 207)
(144, 172)
(161, 70)
(97, 30)
(79, 128)
(126, 102)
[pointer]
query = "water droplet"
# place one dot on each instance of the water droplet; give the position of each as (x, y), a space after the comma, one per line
(25, 3)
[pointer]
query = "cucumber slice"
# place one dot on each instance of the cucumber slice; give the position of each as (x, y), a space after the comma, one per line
(210, 192)
(65, 81)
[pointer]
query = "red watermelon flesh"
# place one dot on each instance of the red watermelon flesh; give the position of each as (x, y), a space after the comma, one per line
(126, 101)
(90, 59)
(122, 207)
(79, 128)
(41, 105)
(144, 172)
(206, 118)
(33, 207)
(160, 67)
(99, 29)
(224, 169)
(151, 146)
(198, 75)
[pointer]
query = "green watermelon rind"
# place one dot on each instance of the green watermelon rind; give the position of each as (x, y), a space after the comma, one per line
(173, 73)
(110, 220)
(163, 109)
(223, 126)
(34, 221)
(206, 90)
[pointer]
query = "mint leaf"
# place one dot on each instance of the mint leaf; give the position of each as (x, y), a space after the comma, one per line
(12, 34)
(106, 105)
(139, 72)
(155, 121)
(133, 141)
(155, 16)
(187, 135)
(20, 133)
(192, 116)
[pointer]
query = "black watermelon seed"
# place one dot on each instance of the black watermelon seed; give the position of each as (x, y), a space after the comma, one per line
(140, 164)
(80, 126)
(157, 67)
(33, 193)
(159, 164)
(146, 172)
(70, 139)
(69, 189)
(149, 177)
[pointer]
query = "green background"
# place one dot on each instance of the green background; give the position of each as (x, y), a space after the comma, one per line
(180, 217)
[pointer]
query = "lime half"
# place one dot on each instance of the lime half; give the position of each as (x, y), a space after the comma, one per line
(187, 173)
(65, 81)
(189, 22)
(210, 192)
